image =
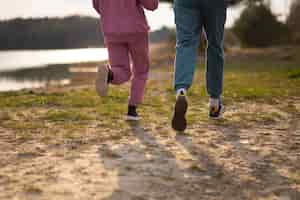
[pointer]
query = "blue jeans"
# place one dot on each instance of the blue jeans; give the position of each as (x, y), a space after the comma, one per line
(191, 17)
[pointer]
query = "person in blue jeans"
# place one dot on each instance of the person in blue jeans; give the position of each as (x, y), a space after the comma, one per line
(191, 17)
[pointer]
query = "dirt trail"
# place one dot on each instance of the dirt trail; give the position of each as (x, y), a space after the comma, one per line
(209, 162)
(253, 155)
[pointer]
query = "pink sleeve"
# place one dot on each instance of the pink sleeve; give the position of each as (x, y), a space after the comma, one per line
(149, 4)
(96, 6)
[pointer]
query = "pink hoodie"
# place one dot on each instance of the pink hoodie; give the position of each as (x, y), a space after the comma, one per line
(119, 17)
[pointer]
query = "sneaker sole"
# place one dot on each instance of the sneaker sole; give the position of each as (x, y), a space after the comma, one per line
(101, 81)
(131, 118)
(220, 116)
(179, 121)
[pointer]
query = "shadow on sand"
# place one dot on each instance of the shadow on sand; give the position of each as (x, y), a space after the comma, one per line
(150, 169)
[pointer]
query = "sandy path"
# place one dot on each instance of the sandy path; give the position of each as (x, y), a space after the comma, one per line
(209, 162)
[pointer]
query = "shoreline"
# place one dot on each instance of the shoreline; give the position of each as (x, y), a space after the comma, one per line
(162, 58)
(72, 75)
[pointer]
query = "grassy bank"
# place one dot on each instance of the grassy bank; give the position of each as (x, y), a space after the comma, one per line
(257, 89)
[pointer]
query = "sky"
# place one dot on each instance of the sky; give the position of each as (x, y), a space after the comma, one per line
(53, 8)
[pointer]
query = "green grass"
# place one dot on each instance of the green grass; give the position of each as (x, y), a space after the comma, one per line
(250, 81)
(22, 125)
(254, 79)
(69, 114)
(294, 74)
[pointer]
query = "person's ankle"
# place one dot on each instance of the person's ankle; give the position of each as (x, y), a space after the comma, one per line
(110, 75)
(181, 92)
(214, 102)
(132, 110)
(132, 106)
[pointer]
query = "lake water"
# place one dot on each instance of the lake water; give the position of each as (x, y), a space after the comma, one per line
(20, 59)
(34, 68)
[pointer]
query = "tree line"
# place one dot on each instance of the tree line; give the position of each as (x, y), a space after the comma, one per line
(258, 26)
(50, 33)
(58, 33)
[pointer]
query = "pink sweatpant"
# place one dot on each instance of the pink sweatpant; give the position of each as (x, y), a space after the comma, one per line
(122, 50)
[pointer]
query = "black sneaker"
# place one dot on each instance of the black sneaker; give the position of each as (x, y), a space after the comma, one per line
(179, 121)
(216, 112)
(132, 114)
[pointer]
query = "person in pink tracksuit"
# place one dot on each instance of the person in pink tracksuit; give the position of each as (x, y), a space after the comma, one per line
(125, 29)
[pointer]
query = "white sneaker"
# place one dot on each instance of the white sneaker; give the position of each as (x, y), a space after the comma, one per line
(102, 81)
(216, 108)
